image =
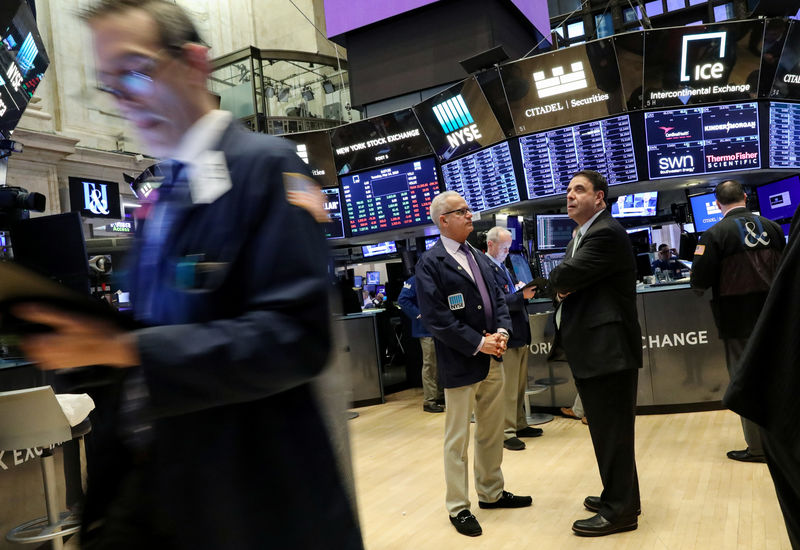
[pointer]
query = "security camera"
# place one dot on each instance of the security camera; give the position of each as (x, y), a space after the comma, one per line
(100, 264)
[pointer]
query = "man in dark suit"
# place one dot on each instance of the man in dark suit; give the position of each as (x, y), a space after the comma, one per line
(468, 318)
(737, 258)
(219, 441)
(515, 359)
(598, 329)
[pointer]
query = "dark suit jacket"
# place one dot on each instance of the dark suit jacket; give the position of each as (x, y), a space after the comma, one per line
(764, 386)
(457, 333)
(241, 457)
(521, 334)
(600, 330)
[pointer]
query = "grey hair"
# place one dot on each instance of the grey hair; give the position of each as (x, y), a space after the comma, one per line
(496, 233)
(438, 205)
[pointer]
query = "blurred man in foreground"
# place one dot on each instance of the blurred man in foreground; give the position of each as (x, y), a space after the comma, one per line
(467, 315)
(219, 442)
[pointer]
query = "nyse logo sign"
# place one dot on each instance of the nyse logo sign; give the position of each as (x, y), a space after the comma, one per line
(560, 82)
(14, 76)
(456, 121)
(705, 71)
(95, 196)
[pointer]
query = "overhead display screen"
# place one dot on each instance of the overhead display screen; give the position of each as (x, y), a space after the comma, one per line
(786, 82)
(701, 140)
(702, 63)
(563, 87)
(23, 61)
(485, 179)
(784, 135)
(385, 139)
(388, 247)
(549, 159)
(390, 198)
(459, 120)
(779, 200)
(314, 148)
(334, 229)
(638, 204)
(704, 211)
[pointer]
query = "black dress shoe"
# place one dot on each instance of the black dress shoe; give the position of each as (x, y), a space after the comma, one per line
(508, 500)
(529, 431)
(593, 505)
(432, 408)
(597, 526)
(746, 456)
(513, 444)
(466, 524)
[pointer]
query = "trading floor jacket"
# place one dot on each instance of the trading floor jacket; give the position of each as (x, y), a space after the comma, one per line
(738, 258)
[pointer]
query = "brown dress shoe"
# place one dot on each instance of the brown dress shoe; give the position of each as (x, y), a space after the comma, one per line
(567, 411)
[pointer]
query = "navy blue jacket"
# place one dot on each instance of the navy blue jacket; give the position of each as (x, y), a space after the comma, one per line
(521, 335)
(408, 303)
(457, 332)
(229, 364)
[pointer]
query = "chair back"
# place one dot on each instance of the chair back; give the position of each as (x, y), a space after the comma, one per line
(32, 418)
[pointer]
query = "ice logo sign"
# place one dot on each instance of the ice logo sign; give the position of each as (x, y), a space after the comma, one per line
(95, 198)
(456, 121)
(560, 82)
(703, 71)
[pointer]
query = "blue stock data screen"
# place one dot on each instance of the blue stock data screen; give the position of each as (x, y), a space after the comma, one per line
(485, 179)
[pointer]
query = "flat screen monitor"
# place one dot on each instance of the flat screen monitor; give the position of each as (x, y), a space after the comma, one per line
(381, 289)
(522, 268)
(358, 281)
(23, 61)
(779, 200)
(379, 249)
(53, 246)
(377, 141)
(704, 211)
(95, 198)
(390, 198)
(549, 261)
(553, 231)
(641, 238)
(635, 205)
(373, 277)
(430, 241)
(564, 87)
(334, 229)
(691, 64)
(784, 135)
(459, 120)
(485, 179)
(549, 159)
(314, 149)
(701, 140)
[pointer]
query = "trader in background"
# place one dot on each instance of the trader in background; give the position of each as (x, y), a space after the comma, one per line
(597, 327)
(468, 317)
(217, 427)
(738, 257)
(433, 394)
(515, 359)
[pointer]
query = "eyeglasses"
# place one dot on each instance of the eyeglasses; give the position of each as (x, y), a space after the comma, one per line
(136, 82)
(460, 211)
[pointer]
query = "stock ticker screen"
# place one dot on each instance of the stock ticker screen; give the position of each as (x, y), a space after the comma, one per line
(701, 140)
(553, 231)
(485, 179)
(390, 198)
(549, 159)
(784, 135)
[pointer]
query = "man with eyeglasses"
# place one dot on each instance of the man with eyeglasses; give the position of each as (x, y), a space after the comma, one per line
(217, 439)
(467, 315)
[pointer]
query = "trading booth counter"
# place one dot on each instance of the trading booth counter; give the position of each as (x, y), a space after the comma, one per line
(684, 360)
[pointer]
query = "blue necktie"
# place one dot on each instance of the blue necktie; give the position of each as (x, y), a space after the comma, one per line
(481, 284)
(511, 283)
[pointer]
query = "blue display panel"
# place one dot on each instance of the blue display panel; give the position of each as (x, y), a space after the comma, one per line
(485, 179)
(778, 200)
(704, 211)
(430, 241)
(334, 229)
(369, 250)
(549, 159)
(553, 231)
(638, 204)
(700, 140)
(390, 198)
(784, 135)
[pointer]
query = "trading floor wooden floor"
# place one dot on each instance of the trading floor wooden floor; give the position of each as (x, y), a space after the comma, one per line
(693, 497)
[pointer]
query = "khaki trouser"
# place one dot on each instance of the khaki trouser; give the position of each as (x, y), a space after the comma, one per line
(430, 381)
(486, 399)
(515, 371)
